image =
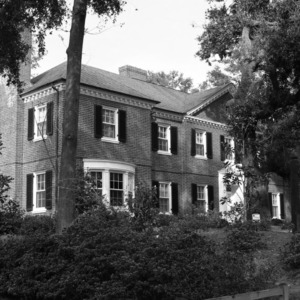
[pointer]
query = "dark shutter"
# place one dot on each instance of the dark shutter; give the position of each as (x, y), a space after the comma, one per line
(194, 193)
(98, 121)
(174, 140)
(270, 204)
(49, 118)
(175, 206)
(49, 189)
(154, 133)
(193, 142)
(209, 147)
(210, 194)
(222, 147)
(156, 185)
(282, 210)
(30, 134)
(29, 192)
(122, 126)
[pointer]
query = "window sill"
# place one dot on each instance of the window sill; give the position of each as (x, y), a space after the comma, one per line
(39, 139)
(108, 140)
(201, 157)
(164, 152)
(39, 210)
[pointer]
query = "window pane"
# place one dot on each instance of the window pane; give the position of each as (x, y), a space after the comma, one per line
(199, 149)
(40, 182)
(116, 198)
(200, 193)
(200, 143)
(164, 205)
(163, 143)
(41, 199)
(96, 179)
(41, 121)
(109, 131)
(116, 189)
(109, 123)
(275, 211)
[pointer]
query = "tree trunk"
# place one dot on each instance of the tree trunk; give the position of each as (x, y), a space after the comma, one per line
(66, 199)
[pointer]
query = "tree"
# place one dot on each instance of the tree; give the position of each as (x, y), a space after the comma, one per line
(39, 16)
(173, 79)
(263, 36)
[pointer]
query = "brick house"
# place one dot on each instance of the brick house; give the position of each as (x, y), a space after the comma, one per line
(129, 131)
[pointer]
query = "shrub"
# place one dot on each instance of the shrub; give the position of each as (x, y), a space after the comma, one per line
(243, 239)
(10, 216)
(41, 224)
(276, 222)
(290, 253)
(102, 256)
(263, 225)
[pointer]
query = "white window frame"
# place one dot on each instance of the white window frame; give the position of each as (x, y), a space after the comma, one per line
(107, 167)
(229, 140)
(170, 196)
(36, 118)
(276, 197)
(168, 138)
(205, 194)
(36, 209)
(116, 124)
(204, 156)
(96, 187)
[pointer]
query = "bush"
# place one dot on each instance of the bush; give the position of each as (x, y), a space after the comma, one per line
(263, 225)
(11, 216)
(243, 239)
(276, 222)
(290, 254)
(40, 224)
(103, 256)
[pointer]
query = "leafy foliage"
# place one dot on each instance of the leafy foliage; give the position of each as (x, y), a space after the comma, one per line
(103, 256)
(290, 254)
(173, 79)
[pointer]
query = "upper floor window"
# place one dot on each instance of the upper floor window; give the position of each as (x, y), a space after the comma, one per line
(40, 122)
(110, 124)
(227, 148)
(164, 138)
(201, 145)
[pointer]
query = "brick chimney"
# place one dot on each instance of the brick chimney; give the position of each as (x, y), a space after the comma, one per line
(133, 72)
(25, 68)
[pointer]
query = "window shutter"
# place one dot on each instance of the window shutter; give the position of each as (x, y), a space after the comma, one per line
(209, 148)
(210, 194)
(49, 118)
(156, 185)
(175, 206)
(222, 147)
(193, 142)
(270, 204)
(49, 189)
(29, 192)
(98, 121)
(30, 134)
(174, 140)
(194, 193)
(122, 126)
(282, 210)
(154, 131)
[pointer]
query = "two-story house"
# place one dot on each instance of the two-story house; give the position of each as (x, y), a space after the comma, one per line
(130, 131)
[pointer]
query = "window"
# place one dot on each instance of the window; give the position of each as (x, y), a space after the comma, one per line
(201, 197)
(114, 180)
(40, 122)
(200, 143)
(109, 120)
(110, 124)
(201, 146)
(229, 146)
(96, 178)
(39, 191)
(163, 138)
(116, 189)
(275, 210)
(164, 197)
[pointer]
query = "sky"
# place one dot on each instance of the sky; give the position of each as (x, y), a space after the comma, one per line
(154, 35)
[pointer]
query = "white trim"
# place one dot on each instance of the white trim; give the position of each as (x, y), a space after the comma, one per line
(205, 195)
(207, 123)
(168, 138)
(94, 163)
(35, 123)
(116, 124)
(204, 156)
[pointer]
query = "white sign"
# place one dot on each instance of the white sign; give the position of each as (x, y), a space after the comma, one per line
(256, 217)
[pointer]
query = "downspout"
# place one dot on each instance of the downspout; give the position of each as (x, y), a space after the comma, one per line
(57, 139)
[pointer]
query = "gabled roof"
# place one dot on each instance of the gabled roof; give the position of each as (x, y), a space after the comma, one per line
(169, 99)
